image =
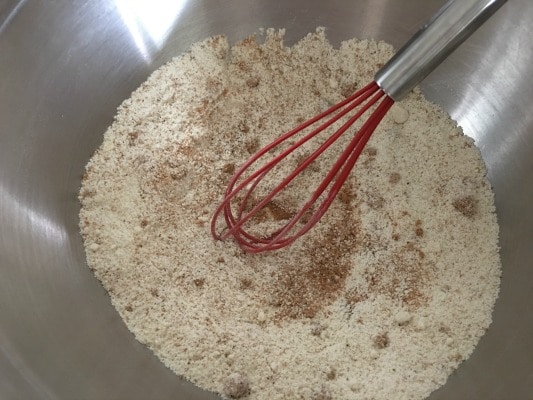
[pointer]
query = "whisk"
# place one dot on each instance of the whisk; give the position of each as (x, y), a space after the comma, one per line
(444, 32)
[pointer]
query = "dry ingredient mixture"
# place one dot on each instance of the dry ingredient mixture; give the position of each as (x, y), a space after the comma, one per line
(381, 300)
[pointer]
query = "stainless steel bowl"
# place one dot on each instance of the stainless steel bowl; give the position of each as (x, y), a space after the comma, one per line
(66, 65)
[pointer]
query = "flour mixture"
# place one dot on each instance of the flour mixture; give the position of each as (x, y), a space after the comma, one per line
(383, 299)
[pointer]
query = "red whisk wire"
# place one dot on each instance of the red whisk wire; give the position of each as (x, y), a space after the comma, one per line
(338, 173)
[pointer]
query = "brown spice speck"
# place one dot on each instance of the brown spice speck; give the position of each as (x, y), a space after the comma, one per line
(128, 308)
(246, 283)
(394, 177)
(132, 137)
(413, 297)
(445, 329)
(199, 223)
(419, 232)
(176, 176)
(243, 66)
(278, 212)
(348, 89)
(382, 340)
(199, 282)
(457, 357)
(252, 145)
(252, 82)
(228, 168)
(371, 151)
(317, 329)
(353, 297)
(346, 194)
(466, 205)
(243, 127)
(85, 193)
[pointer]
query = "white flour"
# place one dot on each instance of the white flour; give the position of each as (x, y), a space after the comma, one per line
(381, 300)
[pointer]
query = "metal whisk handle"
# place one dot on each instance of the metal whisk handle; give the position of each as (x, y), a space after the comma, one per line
(439, 37)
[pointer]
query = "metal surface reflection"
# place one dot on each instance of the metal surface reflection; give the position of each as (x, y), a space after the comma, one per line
(149, 22)
(10, 12)
(479, 109)
(66, 66)
(41, 224)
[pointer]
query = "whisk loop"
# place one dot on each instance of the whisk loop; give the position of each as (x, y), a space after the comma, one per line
(236, 216)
